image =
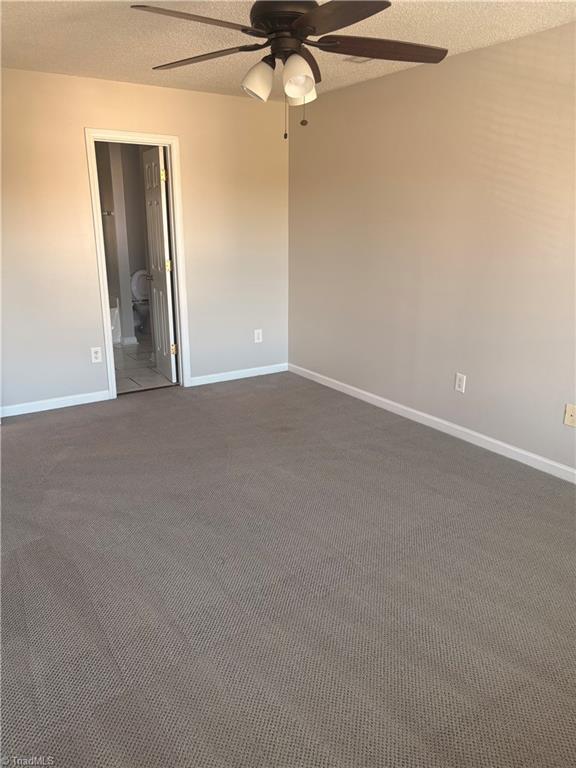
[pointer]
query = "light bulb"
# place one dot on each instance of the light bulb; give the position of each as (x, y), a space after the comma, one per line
(301, 100)
(297, 77)
(259, 79)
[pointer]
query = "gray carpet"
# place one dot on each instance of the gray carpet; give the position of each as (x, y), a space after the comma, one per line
(269, 573)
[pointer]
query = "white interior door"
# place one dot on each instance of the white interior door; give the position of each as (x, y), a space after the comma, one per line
(160, 266)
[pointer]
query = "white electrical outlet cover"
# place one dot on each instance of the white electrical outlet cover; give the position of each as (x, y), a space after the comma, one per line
(96, 354)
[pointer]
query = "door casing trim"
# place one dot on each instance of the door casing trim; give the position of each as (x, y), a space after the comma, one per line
(92, 135)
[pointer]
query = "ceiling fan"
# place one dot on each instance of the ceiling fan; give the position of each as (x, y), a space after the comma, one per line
(286, 27)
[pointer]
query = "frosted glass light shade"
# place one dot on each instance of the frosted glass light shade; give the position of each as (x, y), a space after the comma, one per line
(300, 100)
(297, 77)
(259, 80)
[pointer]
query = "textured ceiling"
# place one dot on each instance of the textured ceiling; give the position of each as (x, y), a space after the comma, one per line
(109, 40)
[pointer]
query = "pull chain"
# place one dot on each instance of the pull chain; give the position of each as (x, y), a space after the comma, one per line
(304, 121)
(285, 117)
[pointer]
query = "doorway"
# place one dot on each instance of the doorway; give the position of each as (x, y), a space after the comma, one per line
(136, 239)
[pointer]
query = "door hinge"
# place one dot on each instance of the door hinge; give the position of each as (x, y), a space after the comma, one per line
(168, 265)
(174, 349)
(163, 175)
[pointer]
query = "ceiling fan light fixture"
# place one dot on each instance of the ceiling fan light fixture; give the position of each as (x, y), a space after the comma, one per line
(260, 79)
(284, 26)
(300, 101)
(297, 77)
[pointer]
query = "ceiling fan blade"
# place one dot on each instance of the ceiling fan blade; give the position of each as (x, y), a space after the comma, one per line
(337, 14)
(377, 48)
(247, 29)
(213, 55)
(305, 53)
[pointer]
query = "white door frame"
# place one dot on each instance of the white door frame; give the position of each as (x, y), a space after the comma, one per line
(177, 237)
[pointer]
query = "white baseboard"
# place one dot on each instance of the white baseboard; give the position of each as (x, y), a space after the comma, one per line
(54, 402)
(128, 341)
(245, 373)
(95, 397)
(562, 471)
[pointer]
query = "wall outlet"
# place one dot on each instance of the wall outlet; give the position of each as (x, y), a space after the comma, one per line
(570, 415)
(258, 336)
(96, 354)
(460, 383)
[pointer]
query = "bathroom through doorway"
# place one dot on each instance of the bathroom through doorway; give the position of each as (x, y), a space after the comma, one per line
(135, 200)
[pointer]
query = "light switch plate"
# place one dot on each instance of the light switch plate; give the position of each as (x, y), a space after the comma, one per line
(258, 336)
(570, 415)
(460, 383)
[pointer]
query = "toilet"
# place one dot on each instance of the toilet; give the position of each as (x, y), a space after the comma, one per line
(140, 302)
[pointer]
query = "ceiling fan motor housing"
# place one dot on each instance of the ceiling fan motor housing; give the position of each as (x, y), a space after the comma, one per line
(275, 17)
(278, 15)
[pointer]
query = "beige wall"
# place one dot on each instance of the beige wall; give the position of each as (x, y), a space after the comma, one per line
(432, 231)
(234, 176)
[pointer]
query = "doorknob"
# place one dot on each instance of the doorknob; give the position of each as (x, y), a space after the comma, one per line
(149, 277)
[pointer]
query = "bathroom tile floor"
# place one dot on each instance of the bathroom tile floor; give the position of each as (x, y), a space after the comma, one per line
(135, 366)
